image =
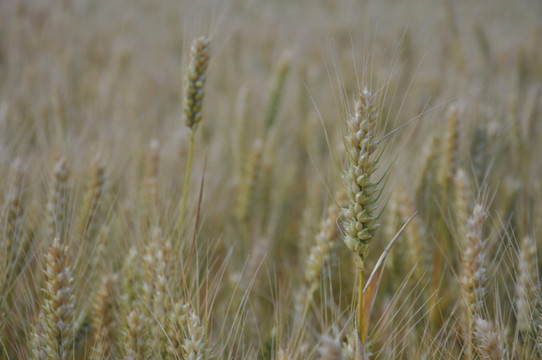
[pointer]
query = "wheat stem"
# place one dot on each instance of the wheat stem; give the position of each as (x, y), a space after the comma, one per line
(186, 183)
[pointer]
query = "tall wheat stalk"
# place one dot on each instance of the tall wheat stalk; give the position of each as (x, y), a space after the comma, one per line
(193, 105)
(360, 217)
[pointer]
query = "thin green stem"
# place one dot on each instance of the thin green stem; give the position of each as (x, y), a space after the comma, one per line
(359, 312)
(186, 182)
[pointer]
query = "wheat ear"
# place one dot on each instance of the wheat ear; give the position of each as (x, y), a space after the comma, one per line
(93, 205)
(158, 269)
(418, 250)
(526, 286)
(195, 345)
(12, 234)
(134, 336)
(57, 204)
(277, 91)
(318, 257)
(474, 271)
(487, 340)
(57, 312)
(360, 218)
(248, 185)
(451, 149)
(462, 205)
(104, 318)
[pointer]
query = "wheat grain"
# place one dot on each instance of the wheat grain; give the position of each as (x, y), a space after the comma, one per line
(195, 81)
(488, 343)
(57, 312)
(360, 219)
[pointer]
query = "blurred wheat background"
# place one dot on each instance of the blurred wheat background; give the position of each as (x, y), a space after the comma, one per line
(178, 179)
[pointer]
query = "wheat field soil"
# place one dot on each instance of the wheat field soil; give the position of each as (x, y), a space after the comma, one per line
(250, 179)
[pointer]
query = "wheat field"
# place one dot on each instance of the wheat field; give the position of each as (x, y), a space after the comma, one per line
(249, 179)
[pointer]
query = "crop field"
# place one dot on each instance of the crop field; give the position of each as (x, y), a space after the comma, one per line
(250, 179)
